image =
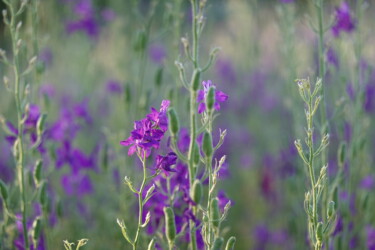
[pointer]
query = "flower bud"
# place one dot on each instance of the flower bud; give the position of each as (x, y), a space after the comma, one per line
(37, 226)
(195, 80)
(341, 154)
(197, 154)
(207, 144)
(214, 212)
(319, 232)
(40, 124)
(174, 122)
(170, 226)
(3, 190)
(331, 209)
(218, 244)
(196, 191)
(210, 99)
(43, 194)
(38, 172)
(230, 243)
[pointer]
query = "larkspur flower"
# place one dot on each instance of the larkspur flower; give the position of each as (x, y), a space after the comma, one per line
(114, 87)
(166, 162)
(370, 238)
(344, 20)
(219, 96)
(149, 131)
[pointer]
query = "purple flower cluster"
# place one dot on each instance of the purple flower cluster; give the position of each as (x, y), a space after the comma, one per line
(344, 20)
(202, 94)
(86, 18)
(30, 127)
(63, 133)
(148, 132)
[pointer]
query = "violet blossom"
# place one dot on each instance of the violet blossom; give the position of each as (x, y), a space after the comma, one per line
(219, 97)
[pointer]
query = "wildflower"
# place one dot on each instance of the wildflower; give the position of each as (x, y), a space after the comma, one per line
(114, 87)
(344, 21)
(219, 96)
(157, 53)
(165, 162)
(148, 132)
(370, 238)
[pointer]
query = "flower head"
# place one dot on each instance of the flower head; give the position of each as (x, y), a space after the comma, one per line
(219, 96)
(148, 132)
(344, 20)
(165, 162)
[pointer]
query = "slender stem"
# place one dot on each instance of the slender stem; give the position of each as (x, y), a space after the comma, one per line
(140, 202)
(19, 141)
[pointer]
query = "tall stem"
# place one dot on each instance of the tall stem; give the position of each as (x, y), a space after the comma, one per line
(140, 202)
(17, 95)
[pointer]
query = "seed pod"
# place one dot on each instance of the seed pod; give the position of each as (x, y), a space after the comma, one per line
(159, 77)
(319, 232)
(218, 244)
(207, 144)
(195, 80)
(151, 245)
(230, 243)
(210, 99)
(196, 191)
(331, 209)
(214, 212)
(3, 190)
(174, 122)
(197, 155)
(43, 194)
(341, 154)
(40, 124)
(37, 225)
(170, 226)
(38, 172)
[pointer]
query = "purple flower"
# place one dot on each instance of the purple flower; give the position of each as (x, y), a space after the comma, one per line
(370, 238)
(332, 57)
(114, 87)
(344, 21)
(219, 96)
(157, 53)
(108, 15)
(165, 162)
(368, 182)
(223, 199)
(225, 70)
(369, 104)
(148, 132)
(77, 184)
(47, 90)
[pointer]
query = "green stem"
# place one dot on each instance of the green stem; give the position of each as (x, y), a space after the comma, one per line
(140, 202)
(20, 147)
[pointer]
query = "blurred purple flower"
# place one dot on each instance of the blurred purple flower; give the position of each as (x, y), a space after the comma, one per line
(225, 70)
(157, 53)
(332, 57)
(183, 140)
(48, 90)
(368, 182)
(370, 238)
(86, 20)
(369, 104)
(344, 21)
(82, 110)
(108, 15)
(77, 184)
(219, 96)
(114, 87)
(223, 199)
(46, 56)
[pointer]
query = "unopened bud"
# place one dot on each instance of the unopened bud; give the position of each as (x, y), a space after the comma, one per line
(170, 224)
(195, 80)
(207, 144)
(32, 60)
(38, 172)
(319, 232)
(214, 212)
(218, 244)
(197, 154)
(331, 209)
(185, 42)
(151, 245)
(37, 226)
(19, 43)
(230, 243)
(6, 81)
(3, 190)
(196, 192)
(174, 122)
(210, 99)
(19, 25)
(341, 154)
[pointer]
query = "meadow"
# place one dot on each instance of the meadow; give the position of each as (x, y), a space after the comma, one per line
(187, 124)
